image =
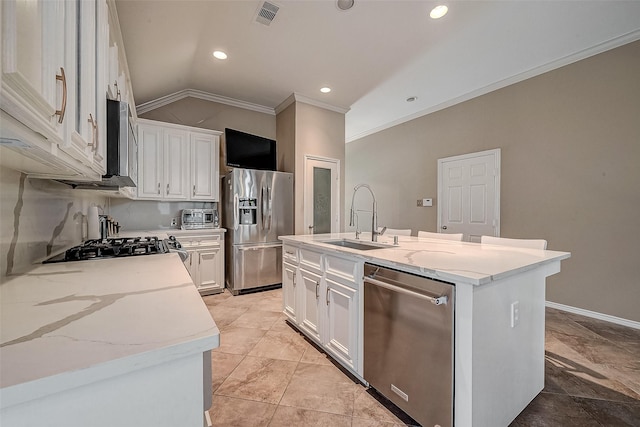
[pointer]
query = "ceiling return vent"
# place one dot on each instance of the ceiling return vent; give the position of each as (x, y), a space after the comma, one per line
(266, 13)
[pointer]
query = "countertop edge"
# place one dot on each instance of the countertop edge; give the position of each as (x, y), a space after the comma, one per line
(41, 387)
(444, 275)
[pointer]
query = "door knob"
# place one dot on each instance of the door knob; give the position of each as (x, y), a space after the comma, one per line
(444, 227)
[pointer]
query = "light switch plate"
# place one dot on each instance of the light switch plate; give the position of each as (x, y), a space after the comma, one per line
(515, 314)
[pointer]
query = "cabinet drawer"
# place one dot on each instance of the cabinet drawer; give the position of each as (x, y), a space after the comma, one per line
(343, 268)
(290, 254)
(199, 240)
(310, 259)
(209, 241)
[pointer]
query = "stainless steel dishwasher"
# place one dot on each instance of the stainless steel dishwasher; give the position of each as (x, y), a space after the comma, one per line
(408, 342)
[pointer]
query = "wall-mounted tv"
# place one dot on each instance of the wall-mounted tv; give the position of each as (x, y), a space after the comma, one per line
(249, 151)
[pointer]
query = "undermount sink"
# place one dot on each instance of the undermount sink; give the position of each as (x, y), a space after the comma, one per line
(357, 244)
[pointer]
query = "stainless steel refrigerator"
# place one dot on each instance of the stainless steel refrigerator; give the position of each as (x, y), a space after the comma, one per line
(258, 207)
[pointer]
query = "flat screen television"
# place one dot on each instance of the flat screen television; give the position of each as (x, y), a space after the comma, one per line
(249, 151)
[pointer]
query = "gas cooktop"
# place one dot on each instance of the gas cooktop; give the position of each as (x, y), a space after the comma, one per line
(115, 247)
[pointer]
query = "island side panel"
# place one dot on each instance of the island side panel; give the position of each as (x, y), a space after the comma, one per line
(164, 395)
(463, 355)
(508, 362)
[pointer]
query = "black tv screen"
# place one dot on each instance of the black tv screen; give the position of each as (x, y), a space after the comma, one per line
(249, 151)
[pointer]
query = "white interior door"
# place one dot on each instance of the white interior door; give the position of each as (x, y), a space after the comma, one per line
(469, 195)
(321, 195)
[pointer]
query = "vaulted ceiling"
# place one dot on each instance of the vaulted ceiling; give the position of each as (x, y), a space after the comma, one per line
(373, 56)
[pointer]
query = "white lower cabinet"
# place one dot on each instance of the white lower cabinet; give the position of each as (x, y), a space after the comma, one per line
(341, 331)
(206, 260)
(309, 315)
(289, 297)
(321, 297)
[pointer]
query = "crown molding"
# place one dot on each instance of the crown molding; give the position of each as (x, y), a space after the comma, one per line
(296, 97)
(199, 94)
(536, 71)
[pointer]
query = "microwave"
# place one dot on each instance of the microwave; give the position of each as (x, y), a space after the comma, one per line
(193, 219)
(122, 147)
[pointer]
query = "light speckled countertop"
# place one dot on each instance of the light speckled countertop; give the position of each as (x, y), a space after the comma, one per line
(67, 324)
(457, 262)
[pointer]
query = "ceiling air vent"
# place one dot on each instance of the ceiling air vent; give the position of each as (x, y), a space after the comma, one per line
(266, 13)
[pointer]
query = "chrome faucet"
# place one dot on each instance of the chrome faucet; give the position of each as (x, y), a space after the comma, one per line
(374, 212)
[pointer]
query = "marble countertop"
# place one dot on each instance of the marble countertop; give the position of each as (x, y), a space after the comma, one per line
(457, 262)
(64, 325)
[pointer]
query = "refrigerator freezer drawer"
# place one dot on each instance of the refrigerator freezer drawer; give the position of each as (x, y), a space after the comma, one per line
(255, 266)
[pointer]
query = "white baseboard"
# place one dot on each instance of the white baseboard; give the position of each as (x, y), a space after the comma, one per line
(594, 315)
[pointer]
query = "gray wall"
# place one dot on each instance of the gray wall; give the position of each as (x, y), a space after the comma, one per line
(308, 129)
(570, 142)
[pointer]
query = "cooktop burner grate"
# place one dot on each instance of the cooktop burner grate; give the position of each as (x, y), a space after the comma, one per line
(112, 247)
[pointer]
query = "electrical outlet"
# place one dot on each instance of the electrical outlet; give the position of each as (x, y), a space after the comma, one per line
(419, 203)
(515, 314)
(174, 222)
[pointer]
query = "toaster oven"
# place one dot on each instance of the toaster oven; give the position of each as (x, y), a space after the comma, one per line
(193, 219)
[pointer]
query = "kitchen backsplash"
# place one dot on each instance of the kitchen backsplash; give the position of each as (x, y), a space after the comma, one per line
(39, 218)
(149, 214)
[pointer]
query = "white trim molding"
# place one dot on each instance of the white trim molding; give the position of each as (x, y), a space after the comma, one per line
(199, 94)
(594, 315)
(296, 97)
(536, 71)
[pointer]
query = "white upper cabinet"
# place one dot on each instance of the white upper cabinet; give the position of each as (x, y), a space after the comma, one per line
(53, 99)
(204, 166)
(150, 156)
(34, 64)
(86, 137)
(177, 162)
(162, 163)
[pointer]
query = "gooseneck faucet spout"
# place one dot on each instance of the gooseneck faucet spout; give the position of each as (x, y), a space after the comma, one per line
(374, 211)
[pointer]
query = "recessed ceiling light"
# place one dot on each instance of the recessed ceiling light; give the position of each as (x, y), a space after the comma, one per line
(412, 98)
(345, 4)
(325, 89)
(219, 54)
(438, 11)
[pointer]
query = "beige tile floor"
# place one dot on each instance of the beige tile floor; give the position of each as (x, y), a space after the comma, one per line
(267, 374)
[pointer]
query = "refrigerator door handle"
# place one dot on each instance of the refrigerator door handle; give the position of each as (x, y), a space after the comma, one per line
(236, 206)
(264, 208)
(269, 208)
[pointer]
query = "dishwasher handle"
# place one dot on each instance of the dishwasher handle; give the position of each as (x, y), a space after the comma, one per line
(434, 300)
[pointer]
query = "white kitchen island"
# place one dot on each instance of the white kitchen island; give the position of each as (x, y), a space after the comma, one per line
(498, 363)
(110, 342)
